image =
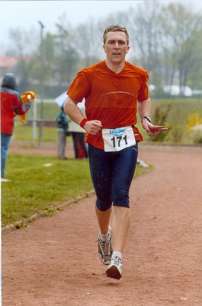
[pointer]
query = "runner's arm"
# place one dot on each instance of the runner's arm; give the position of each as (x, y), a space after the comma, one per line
(73, 111)
(91, 126)
(144, 108)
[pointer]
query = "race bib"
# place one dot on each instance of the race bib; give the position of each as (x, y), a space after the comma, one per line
(118, 139)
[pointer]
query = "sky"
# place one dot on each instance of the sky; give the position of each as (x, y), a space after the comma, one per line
(26, 14)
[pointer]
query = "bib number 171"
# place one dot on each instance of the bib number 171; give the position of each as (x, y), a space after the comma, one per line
(118, 139)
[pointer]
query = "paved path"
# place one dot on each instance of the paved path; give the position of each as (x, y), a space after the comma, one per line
(53, 262)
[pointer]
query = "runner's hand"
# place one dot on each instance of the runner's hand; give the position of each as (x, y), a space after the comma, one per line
(93, 126)
(153, 129)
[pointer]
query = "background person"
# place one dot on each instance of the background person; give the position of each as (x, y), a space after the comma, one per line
(10, 107)
(114, 90)
(62, 125)
(78, 136)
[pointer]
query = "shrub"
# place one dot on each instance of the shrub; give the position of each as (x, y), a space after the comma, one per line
(160, 117)
(194, 119)
(176, 134)
(197, 137)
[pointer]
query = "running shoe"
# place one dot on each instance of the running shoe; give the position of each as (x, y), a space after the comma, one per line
(105, 248)
(114, 270)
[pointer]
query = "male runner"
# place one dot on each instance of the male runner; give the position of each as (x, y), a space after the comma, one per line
(114, 91)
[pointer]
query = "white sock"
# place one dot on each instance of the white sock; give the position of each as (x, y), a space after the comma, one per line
(103, 236)
(117, 253)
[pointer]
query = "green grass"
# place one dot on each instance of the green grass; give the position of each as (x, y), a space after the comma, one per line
(24, 133)
(179, 115)
(180, 108)
(37, 188)
(47, 110)
(34, 187)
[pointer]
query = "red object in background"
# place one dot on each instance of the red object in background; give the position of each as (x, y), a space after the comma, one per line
(80, 150)
(10, 106)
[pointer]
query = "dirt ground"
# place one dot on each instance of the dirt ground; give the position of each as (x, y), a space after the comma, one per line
(53, 262)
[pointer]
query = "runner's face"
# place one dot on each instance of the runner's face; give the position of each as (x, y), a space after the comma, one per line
(116, 47)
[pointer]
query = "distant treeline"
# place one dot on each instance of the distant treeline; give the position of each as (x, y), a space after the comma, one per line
(165, 39)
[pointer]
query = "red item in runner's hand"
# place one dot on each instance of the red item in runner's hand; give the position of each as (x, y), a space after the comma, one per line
(158, 128)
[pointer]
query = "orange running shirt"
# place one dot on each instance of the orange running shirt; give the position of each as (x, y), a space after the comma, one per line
(110, 97)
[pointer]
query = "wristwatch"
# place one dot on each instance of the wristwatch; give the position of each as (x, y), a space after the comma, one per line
(147, 118)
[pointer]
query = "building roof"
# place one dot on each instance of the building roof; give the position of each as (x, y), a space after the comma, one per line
(8, 61)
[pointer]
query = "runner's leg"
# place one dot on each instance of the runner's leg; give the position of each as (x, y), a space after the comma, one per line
(124, 164)
(103, 218)
(123, 172)
(100, 168)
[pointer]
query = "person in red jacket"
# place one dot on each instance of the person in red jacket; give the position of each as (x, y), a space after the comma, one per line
(10, 107)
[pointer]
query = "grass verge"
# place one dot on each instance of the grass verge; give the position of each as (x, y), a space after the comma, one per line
(38, 184)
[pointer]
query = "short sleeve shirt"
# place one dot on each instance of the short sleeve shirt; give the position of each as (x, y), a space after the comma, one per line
(110, 97)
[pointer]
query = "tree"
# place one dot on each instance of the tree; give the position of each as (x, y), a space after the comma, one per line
(86, 40)
(67, 57)
(42, 63)
(22, 48)
(195, 74)
(180, 27)
(144, 26)
(167, 42)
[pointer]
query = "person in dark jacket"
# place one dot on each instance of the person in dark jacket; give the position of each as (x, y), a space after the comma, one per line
(62, 124)
(10, 107)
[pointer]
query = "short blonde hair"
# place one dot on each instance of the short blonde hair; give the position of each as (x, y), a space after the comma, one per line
(115, 28)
